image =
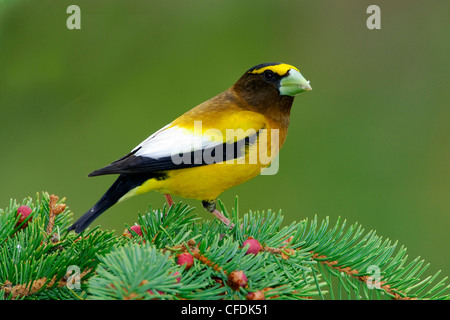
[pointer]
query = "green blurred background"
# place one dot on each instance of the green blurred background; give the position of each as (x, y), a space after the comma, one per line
(370, 143)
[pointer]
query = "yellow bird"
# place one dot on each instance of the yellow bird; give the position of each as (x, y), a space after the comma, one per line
(219, 144)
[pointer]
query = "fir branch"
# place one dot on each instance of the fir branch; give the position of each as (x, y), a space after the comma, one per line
(347, 258)
(310, 259)
(34, 260)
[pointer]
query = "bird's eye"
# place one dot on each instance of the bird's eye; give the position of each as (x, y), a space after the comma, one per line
(268, 74)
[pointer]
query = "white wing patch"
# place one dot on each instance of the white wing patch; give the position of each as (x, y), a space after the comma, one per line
(169, 141)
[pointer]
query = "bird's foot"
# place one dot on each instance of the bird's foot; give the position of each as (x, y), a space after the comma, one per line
(168, 199)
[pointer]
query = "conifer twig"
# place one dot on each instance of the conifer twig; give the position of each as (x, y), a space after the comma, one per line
(55, 209)
(354, 274)
(23, 290)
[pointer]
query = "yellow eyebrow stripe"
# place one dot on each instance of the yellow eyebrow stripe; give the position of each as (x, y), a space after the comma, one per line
(281, 69)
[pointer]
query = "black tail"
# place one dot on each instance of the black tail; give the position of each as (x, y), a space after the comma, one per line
(121, 186)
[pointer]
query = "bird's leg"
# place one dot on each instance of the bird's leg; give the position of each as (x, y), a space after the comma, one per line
(210, 206)
(168, 199)
(221, 217)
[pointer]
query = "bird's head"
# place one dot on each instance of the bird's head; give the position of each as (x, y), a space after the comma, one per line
(270, 82)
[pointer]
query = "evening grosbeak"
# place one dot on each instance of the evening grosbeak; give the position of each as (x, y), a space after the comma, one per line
(219, 144)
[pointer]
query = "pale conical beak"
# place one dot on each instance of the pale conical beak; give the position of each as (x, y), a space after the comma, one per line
(293, 84)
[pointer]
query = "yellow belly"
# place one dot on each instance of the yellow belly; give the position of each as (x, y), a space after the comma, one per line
(209, 181)
(202, 183)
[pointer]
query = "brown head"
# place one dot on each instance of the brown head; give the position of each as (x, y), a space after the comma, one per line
(270, 88)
